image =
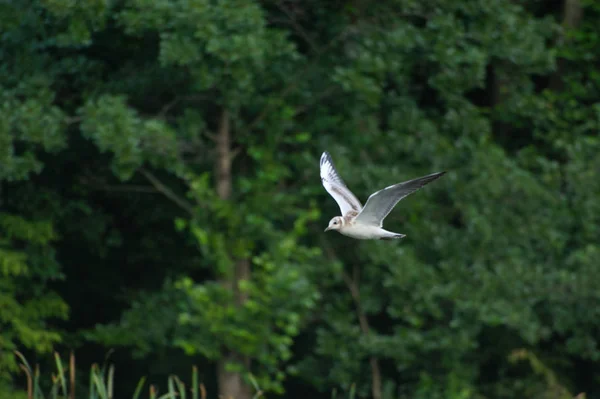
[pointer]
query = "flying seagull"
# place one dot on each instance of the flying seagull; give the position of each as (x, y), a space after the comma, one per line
(366, 223)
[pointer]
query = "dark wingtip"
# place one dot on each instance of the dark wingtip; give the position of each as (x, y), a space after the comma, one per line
(434, 176)
(422, 181)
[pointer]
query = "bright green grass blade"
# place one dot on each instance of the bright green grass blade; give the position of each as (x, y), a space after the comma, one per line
(171, 385)
(61, 373)
(352, 391)
(180, 387)
(195, 393)
(92, 386)
(37, 391)
(54, 390)
(254, 383)
(138, 389)
(24, 361)
(99, 381)
(259, 392)
(35, 376)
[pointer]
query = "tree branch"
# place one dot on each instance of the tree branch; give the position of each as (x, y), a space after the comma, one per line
(352, 284)
(70, 120)
(572, 15)
(297, 26)
(167, 192)
(163, 111)
(124, 188)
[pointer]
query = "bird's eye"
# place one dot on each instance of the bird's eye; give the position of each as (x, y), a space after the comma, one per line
(335, 222)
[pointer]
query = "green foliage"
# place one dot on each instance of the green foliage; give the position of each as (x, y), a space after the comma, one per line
(29, 122)
(224, 45)
(110, 115)
(279, 298)
(223, 49)
(108, 120)
(26, 303)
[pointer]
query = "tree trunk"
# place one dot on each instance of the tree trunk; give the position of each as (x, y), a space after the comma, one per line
(231, 384)
(572, 14)
(363, 321)
(499, 93)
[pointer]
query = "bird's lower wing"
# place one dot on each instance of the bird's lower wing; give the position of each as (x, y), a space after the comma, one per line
(381, 203)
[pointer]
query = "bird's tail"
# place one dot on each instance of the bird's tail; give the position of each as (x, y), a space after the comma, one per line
(393, 236)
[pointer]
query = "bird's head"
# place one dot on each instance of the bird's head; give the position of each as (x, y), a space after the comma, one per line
(336, 223)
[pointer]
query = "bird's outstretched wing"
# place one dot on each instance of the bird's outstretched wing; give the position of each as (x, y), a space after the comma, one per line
(335, 186)
(381, 203)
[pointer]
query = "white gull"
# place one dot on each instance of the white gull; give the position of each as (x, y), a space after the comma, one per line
(366, 223)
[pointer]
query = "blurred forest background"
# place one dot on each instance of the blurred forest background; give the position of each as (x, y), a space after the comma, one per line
(160, 194)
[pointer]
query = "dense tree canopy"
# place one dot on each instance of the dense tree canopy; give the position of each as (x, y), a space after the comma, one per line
(159, 193)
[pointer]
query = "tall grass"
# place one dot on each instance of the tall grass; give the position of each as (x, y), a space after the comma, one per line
(102, 383)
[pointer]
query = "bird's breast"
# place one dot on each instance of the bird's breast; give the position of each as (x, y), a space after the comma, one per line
(361, 232)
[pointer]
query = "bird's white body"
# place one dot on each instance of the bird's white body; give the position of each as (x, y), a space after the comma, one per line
(366, 223)
(367, 232)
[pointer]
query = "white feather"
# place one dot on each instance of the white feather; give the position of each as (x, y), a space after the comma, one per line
(336, 187)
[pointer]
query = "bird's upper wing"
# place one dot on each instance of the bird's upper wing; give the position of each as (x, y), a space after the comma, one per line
(335, 186)
(380, 203)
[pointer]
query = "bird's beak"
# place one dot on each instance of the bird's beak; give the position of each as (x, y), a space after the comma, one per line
(328, 228)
